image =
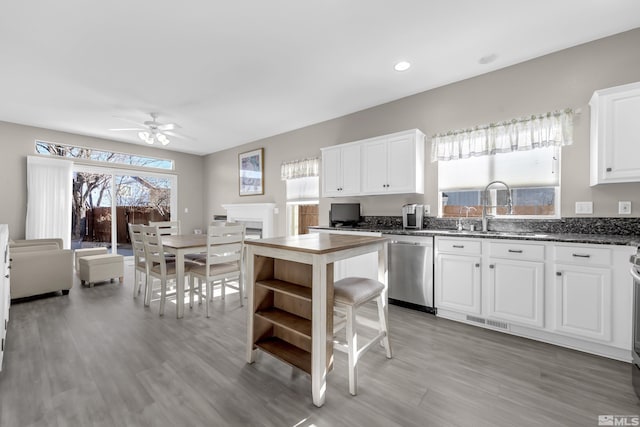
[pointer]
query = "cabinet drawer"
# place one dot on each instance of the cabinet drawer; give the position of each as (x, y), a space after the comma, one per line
(516, 251)
(585, 255)
(461, 246)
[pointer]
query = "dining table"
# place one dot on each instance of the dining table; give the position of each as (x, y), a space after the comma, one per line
(181, 245)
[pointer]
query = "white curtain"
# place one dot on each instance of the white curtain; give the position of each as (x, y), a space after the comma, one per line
(545, 130)
(49, 187)
(300, 169)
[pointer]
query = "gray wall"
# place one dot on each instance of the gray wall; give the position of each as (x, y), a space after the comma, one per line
(17, 142)
(563, 79)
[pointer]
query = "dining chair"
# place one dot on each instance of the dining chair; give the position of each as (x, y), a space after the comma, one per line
(158, 266)
(140, 264)
(225, 260)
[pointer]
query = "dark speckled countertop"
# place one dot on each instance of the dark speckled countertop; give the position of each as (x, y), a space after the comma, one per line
(602, 239)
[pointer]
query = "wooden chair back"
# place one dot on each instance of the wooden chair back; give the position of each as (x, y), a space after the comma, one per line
(225, 244)
(166, 228)
(153, 250)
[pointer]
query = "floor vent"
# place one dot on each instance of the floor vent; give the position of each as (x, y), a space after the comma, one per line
(476, 319)
(498, 324)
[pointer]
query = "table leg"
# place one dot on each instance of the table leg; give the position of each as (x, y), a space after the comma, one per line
(319, 331)
(179, 284)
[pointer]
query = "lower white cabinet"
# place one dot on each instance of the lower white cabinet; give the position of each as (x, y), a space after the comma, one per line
(458, 283)
(583, 301)
(516, 291)
(570, 294)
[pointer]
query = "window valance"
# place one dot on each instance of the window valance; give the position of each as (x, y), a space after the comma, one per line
(526, 133)
(300, 168)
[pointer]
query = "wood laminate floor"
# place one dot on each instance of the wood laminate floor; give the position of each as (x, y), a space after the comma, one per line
(99, 358)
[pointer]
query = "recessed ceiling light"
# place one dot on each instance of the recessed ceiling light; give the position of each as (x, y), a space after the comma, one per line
(487, 59)
(402, 66)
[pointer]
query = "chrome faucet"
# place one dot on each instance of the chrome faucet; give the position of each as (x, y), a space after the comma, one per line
(485, 201)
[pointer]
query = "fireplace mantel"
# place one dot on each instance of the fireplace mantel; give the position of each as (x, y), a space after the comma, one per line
(262, 212)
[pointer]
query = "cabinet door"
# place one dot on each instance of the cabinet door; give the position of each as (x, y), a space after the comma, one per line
(350, 168)
(457, 280)
(583, 301)
(401, 171)
(331, 172)
(614, 130)
(516, 291)
(374, 164)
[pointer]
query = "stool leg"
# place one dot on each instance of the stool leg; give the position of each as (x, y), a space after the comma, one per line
(223, 281)
(200, 291)
(240, 286)
(352, 343)
(384, 325)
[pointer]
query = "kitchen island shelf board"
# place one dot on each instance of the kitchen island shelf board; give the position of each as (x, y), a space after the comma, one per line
(290, 291)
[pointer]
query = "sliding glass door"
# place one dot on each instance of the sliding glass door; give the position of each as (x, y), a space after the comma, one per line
(105, 201)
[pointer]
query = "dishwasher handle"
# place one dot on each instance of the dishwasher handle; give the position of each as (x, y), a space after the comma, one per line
(397, 242)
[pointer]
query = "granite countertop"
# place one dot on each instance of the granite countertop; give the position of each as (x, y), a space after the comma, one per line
(603, 239)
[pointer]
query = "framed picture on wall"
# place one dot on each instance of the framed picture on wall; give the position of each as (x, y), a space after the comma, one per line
(251, 167)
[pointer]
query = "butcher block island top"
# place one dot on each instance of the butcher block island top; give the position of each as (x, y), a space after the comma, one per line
(290, 292)
(317, 243)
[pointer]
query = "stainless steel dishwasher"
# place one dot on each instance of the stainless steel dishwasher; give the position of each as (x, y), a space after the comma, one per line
(411, 272)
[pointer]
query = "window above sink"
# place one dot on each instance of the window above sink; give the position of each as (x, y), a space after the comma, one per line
(533, 176)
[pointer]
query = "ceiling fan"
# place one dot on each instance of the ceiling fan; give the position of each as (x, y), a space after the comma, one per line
(151, 131)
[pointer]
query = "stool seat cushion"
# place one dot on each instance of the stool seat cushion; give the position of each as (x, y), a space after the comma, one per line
(356, 290)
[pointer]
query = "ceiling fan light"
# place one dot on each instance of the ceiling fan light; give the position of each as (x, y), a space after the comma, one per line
(162, 138)
(146, 137)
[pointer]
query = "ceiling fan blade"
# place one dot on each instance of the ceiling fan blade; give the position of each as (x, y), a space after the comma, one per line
(134, 122)
(125, 129)
(177, 135)
(168, 126)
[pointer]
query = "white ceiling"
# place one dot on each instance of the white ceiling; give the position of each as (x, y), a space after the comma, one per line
(236, 71)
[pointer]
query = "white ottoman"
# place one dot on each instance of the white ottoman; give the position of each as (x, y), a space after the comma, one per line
(87, 252)
(99, 268)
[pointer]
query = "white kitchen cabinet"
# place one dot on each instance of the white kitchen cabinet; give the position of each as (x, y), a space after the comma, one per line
(5, 297)
(583, 301)
(515, 283)
(458, 275)
(615, 127)
(341, 170)
(393, 164)
(584, 292)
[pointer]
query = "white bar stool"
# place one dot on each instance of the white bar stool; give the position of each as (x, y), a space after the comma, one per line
(349, 294)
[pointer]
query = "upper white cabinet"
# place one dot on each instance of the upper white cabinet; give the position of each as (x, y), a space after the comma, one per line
(389, 164)
(394, 164)
(615, 134)
(341, 170)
